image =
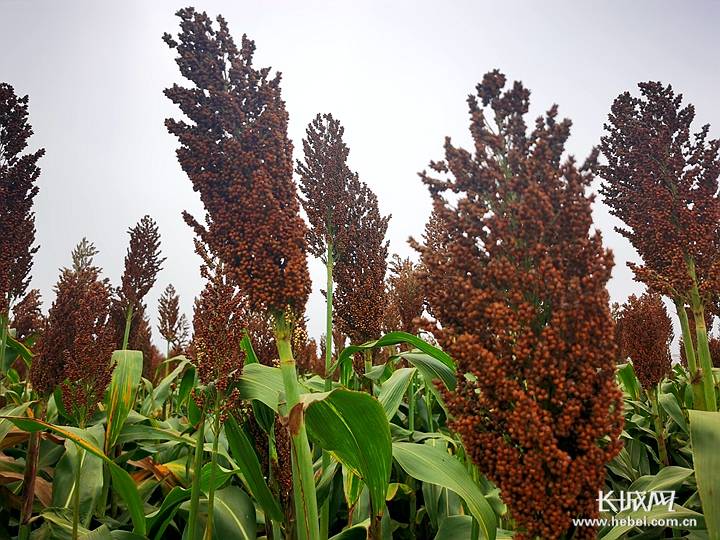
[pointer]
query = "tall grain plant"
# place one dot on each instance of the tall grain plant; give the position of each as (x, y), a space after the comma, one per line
(172, 325)
(331, 194)
(75, 349)
(18, 174)
(661, 180)
(645, 334)
(517, 281)
(235, 149)
(143, 261)
(405, 296)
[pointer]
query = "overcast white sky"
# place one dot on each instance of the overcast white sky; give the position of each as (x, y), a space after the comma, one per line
(395, 73)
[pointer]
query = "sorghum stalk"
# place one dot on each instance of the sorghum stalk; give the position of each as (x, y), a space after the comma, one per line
(195, 490)
(703, 347)
(659, 427)
(303, 482)
(31, 465)
(213, 465)
(76, 493)
(329, 263)
(696, 384)
(4, 323)
(128, 323)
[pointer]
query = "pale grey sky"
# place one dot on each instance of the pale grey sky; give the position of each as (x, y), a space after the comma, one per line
(395, 73)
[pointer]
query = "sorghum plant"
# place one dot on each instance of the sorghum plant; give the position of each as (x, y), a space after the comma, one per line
(75, 349)
(18, 173)
(236, 151)
(142, 264)
(524, 311)
(406, 297)
(27, 319)
(662, 182)
(645, 334)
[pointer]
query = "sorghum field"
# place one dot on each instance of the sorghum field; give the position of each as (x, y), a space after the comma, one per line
(486, 388)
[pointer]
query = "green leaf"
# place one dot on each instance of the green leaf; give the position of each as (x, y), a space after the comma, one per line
(357, 532)
(705, 438)
(395, 338)
(162, 391)
(121, 394)
(158, 521)
(629, 381)
(91, 474)
(435, 466)
(244, 454)
(352, 426)
(431, 368)
(454, 527)
(394, 389)
(122, 482)
(234, 515)
(667, 479)
(670, 403)
(10, 410)
(262, 383)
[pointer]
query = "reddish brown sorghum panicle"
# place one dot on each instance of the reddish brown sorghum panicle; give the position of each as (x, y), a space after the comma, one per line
(360, 293)
(305, 350)
(236, 151)
(27, 319)
(142, 264)
(18, 174)
(77, 344)
(330, 189)
(406, 297)
(645, 334)
(173, 326)
(662, 182)
(524, 310)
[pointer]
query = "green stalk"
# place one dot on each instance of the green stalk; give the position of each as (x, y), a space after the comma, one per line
(703, 348)
(213, 465)
(411, 405)
(329, 264)
(367, 357)
(195, 490)
(31, 465)
(4, 330)
(76, 494)
(659, 427)
(696, 384)
(128, 322)
(306, 511)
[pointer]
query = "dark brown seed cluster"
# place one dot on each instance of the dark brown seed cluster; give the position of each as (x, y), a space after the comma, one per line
(330, 189)
(405, 295)
(235, 149)
(76, 347)
(661, 180)
(27, 319)
(219, 324)
(645, 334)
(18, 174)
(360, 278)
(143, 261)
(518, 285)
(172, 325)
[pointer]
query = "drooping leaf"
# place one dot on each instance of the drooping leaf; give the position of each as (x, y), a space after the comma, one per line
(234, 515)
(435, 466)
(705, 437)
(395, 338)
(394, 389)
(352, 426)
(122, 391)
(244, 454)
(122, 482)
